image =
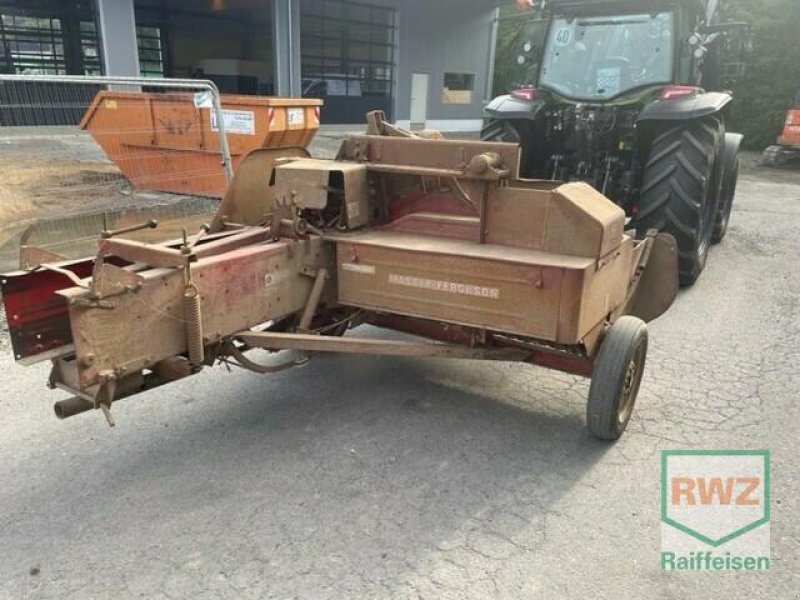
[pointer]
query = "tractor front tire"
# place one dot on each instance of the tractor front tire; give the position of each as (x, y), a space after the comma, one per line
(681, 188)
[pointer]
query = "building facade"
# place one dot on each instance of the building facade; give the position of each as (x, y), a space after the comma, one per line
(424, 62)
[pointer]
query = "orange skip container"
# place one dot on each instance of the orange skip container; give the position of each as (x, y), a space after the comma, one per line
(170, 142)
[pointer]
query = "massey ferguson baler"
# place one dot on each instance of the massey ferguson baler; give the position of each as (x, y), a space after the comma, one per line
(437, 238)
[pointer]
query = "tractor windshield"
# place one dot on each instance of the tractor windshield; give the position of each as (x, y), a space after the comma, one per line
(598, 58)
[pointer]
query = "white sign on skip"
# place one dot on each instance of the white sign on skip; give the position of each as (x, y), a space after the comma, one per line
(295, 116)
(236, 121)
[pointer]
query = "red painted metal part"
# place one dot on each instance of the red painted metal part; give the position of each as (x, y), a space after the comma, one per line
(37, 316)
(791, 129)
(433, 330)
(443, 202)
(577, 365)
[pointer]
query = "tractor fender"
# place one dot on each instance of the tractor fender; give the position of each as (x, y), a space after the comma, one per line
(686, 107)
(507, 107)
(732, 143)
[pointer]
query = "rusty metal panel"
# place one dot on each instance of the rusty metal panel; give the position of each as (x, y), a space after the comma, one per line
(573, 219)
(375, 347)
(499, 288)
(450, 155)
(604, 289)
(310, 184)
(545, 185)
(250, 197)
(583, 222)
(356, 198)
(238, 290)
(659, 284)
(517, 217)
(303, 183)
(438, 224)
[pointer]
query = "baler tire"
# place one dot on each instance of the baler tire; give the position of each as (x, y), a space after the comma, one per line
(725, 204)
(616, 378)
(680, 190)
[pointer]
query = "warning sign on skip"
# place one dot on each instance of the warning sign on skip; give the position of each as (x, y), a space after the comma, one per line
(236, 121)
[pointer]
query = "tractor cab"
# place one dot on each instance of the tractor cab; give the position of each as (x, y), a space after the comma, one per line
(603, 51)
(600, 58)
(628, 97)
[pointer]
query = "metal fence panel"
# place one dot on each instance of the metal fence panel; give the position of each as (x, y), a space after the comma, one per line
(78, 152)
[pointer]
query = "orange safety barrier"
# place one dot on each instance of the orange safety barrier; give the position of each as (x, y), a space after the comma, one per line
(169, 141)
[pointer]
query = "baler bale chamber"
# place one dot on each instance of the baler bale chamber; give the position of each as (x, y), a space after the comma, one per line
(437, 238)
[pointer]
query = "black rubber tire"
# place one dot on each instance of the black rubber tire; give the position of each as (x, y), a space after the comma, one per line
(680, 193)
(501, 130)
(726, 196)
(774, 156)
(616, 378)
(515, 132)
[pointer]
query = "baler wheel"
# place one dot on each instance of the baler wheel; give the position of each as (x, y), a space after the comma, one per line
(616, 378)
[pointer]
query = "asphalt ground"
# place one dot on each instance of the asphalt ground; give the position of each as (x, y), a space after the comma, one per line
(365, 477)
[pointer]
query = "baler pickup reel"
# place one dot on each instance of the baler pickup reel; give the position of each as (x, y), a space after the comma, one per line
(437, 238)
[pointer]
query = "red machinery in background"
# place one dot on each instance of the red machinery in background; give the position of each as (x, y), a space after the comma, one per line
(788, 146)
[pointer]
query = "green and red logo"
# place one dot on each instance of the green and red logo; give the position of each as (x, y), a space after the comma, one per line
(715, 509)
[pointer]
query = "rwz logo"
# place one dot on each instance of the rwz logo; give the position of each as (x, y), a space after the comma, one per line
(718, 499)
(692, 491)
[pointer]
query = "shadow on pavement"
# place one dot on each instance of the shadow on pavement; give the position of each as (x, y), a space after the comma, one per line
(348, 464)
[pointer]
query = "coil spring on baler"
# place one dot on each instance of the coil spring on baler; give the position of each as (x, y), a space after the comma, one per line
(194, 323)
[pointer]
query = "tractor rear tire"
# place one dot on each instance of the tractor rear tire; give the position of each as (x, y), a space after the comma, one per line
(501, 130)
(514, 132)
(680, 190)
(617, 376)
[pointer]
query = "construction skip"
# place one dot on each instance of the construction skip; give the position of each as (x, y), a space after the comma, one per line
(438, 238)
(164, 142)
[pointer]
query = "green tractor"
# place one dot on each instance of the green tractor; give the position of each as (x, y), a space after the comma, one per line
(627, 97)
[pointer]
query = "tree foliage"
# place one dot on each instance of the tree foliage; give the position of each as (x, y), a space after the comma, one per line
(772, 73)
(768, 88)
(514, 67)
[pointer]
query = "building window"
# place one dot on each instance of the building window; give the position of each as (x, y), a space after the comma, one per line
(458, 88)
(32, 45)
(151, 51)
(348, 52)
(90, 49)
